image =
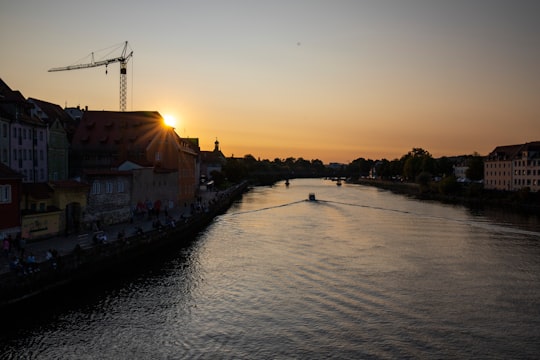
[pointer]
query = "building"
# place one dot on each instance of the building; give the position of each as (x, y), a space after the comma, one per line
(10, 192)
(188, 171)
(23, 141)
(75, 113)
(212, 161)
(40, 216)
(154, 185)
(513, 167)
(60, 128)
(460, 171)
(104, 140)
(109, 198)
(70, 197)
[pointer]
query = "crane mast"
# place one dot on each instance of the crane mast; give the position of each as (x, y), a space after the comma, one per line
(122, 59)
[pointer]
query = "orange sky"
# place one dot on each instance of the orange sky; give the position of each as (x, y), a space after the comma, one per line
(328, 80)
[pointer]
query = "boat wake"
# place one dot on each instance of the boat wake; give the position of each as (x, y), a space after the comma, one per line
(479, 223)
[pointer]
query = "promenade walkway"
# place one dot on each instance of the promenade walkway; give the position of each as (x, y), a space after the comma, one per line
(65, 244)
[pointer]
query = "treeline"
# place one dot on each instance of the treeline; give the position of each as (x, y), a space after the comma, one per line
(266, 172)
(416, 173)
(418, 165)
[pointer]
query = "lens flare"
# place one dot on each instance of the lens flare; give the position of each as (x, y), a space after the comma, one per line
(170, 120)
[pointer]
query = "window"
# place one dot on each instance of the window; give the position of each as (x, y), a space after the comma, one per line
(158, 156)
(121, 187)
(96, 188)
(5, 194)
(14, 154)
(108, 187)
(5, 130)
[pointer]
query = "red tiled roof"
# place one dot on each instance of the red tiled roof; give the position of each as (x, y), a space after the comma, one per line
(139, 136)
(508, 152)
(98, 128)
(6, 94)
(53, 111)
(212, 157)
(8, 173)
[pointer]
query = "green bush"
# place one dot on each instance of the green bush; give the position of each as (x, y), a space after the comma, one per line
(448, 185)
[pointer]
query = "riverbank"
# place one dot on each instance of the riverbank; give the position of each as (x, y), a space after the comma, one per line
(79, 257)
(469, 195)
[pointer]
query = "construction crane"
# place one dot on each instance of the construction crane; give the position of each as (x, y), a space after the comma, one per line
(122, 59)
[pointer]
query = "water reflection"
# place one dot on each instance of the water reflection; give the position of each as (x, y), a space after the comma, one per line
(362, 273)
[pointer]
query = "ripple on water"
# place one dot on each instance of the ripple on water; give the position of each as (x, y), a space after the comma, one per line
(363, 274)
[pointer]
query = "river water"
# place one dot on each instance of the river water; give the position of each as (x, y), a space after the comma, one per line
(360, 273)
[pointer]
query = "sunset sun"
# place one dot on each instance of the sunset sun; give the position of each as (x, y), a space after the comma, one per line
(170, 120)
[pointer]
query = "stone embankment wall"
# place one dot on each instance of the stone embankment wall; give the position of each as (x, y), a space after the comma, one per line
(97, 259)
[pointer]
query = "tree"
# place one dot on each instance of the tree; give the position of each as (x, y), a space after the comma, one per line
(359, 167)
(448, 185)
(219, 178)
(235, 170)
(444, 167)
(475, 170)
(417, 161)
(423, 180)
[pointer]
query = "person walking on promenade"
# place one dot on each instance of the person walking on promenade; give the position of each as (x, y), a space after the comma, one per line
(149, 208)
(31, 263)
(22, 246)
(157, 207)
(6, 246)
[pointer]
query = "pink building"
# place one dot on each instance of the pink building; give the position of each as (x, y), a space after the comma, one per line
(513, 167)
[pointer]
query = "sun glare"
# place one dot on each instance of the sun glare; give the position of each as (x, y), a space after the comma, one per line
(169, 120)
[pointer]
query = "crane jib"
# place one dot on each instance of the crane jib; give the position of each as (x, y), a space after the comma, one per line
(123, 71)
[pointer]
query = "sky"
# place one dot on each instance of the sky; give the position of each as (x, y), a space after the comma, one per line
(332, 80)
